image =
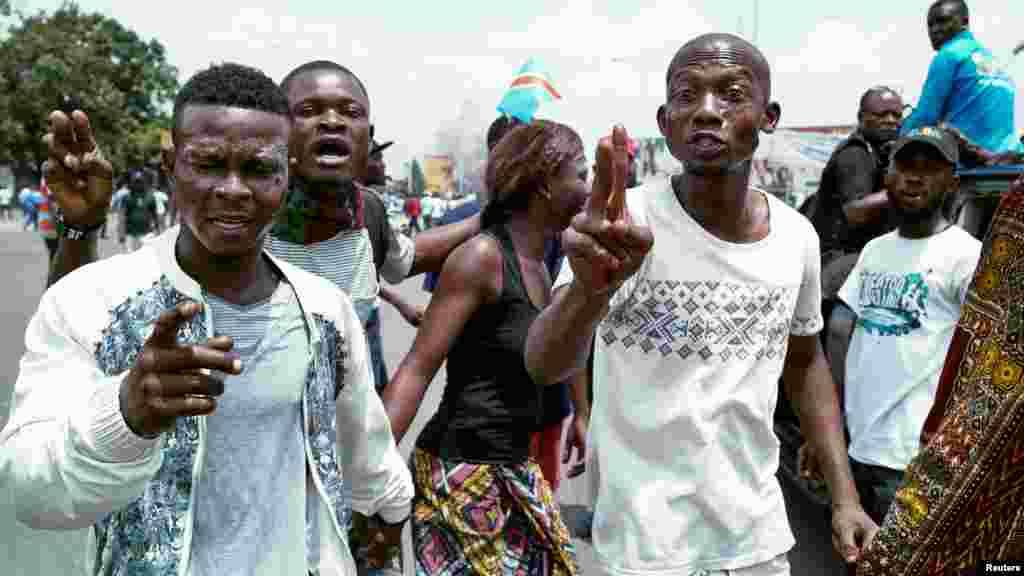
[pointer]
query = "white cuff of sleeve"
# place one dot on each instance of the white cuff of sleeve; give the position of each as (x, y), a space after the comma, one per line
(399, 261)
(108, 434)
(395, 514)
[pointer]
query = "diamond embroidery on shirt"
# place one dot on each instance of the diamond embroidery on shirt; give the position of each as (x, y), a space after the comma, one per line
(719, 321)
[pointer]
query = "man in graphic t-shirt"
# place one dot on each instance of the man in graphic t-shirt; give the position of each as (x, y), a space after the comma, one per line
(905, 295)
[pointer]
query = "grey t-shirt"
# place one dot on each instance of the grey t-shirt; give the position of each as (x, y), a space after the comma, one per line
(250, 506)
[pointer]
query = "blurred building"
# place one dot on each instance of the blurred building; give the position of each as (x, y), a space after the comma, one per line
(439, 173)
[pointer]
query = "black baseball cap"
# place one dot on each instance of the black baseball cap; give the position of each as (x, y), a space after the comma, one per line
(378, 147)
(941, 140)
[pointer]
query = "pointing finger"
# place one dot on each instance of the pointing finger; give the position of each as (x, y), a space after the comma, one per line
(191, 359)
(165, 328)
(179, 406)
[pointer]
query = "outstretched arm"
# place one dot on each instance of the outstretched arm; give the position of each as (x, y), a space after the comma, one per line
(433, 246)
(604, 248)
(67, 452)
(559, 339)
(413, 314)
(937, 87)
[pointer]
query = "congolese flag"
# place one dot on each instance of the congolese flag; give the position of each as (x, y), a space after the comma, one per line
(529, 88)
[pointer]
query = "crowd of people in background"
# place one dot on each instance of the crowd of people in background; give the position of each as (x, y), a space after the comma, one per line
(235, 349)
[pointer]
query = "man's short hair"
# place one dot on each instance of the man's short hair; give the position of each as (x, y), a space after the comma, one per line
(761, 70)
(231, 85)
(322, 66)
(501, 126)
(875, 91)
(961, 6)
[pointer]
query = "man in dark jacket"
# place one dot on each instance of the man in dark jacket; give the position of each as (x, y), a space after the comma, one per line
(851, 205)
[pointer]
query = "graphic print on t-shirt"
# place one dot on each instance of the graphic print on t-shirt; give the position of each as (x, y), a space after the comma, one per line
(718, 321)
(892, 304)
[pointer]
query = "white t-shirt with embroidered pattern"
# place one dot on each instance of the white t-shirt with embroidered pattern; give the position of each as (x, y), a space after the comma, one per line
(686, 373)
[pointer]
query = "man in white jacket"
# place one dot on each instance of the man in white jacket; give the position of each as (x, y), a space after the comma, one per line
(320, 228)
(188, 400)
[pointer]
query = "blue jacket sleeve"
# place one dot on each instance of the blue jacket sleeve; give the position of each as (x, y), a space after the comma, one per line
(937, 88)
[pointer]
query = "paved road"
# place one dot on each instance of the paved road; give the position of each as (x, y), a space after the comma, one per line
(30, 553)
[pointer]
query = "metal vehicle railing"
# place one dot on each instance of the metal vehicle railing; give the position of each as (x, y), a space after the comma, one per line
(980, 191)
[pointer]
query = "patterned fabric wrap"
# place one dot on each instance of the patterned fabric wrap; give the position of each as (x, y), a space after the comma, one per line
(471, 519)
(962, 499)
(147, 536)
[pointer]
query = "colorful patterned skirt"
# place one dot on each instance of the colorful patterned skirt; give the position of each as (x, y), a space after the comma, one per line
(480, 519)
(962, 498)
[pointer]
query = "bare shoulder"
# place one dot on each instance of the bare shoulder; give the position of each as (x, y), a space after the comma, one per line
(475, 265)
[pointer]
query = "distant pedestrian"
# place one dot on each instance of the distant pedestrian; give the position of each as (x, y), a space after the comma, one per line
(26, 200)
(427, 206)
(139, 216)
(413, 212)
(45, 222)
(6, 203)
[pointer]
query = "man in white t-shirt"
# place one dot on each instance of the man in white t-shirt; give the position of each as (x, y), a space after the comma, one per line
(905, 295)
(693, 332)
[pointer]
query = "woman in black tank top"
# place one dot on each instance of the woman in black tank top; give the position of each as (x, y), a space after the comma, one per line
(482, 506)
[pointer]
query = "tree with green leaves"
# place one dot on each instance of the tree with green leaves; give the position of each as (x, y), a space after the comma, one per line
(418, 182)
(121, 81)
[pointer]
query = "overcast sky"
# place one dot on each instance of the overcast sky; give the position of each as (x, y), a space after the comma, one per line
(424, 62)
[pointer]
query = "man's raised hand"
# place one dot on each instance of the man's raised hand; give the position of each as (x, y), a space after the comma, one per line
(603, 245)
(76, 172)
(170, 380)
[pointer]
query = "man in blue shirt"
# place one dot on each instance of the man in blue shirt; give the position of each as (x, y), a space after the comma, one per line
(966, 87)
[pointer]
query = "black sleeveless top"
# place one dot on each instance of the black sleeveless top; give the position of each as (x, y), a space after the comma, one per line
(490, 405)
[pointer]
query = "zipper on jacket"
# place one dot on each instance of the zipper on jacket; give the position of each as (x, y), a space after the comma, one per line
(317, 482)
(197, 467)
